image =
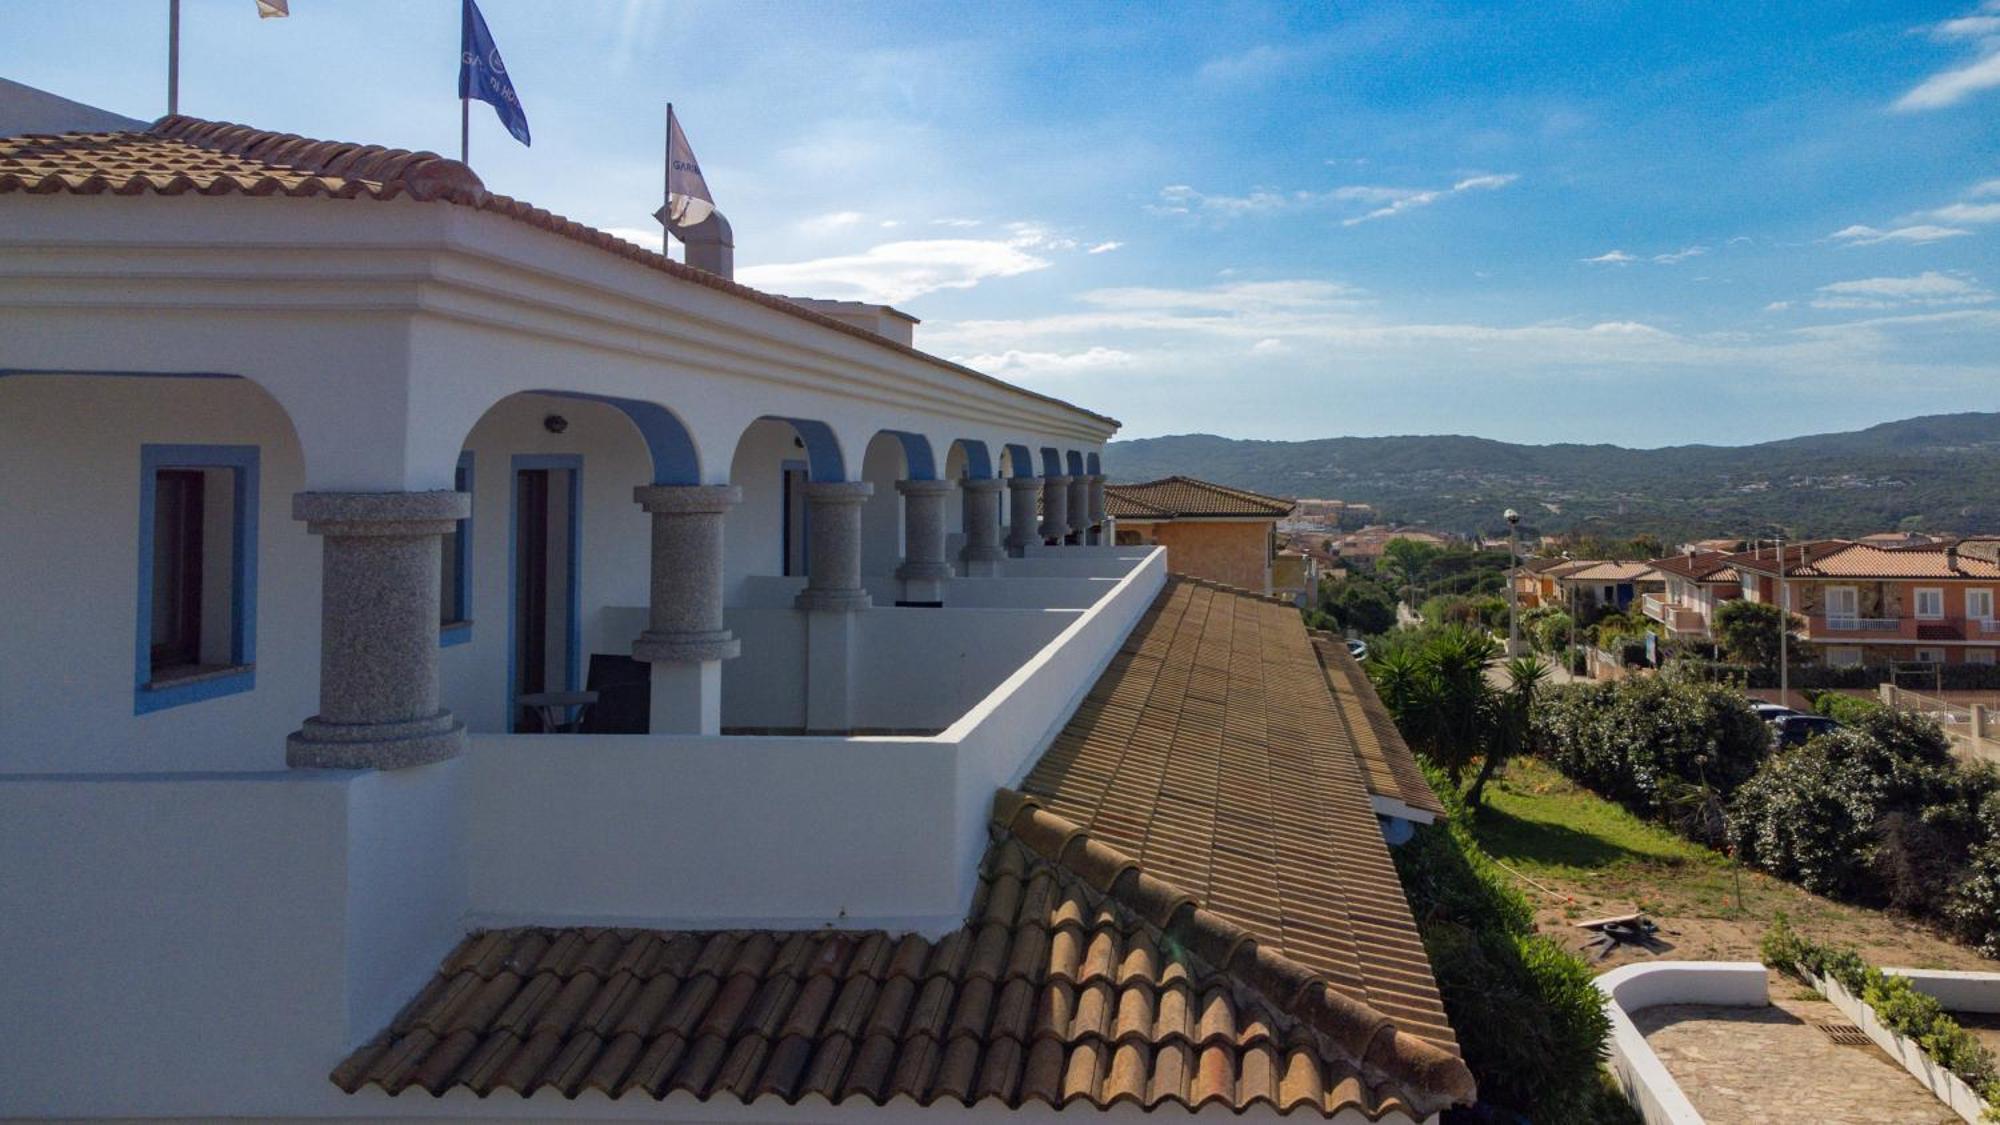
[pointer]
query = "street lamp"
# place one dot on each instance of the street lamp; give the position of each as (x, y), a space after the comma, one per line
(1513, 582)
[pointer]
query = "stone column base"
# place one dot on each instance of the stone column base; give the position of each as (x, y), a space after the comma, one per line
(382, 746)
(686, 648)
(686, 698)
(832, 601)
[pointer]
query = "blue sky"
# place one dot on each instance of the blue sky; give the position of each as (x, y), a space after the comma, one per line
(1638, 223)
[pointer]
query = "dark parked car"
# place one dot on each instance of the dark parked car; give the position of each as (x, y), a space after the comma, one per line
(1794, 730)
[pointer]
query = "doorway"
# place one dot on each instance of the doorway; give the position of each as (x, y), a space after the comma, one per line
(544, 638)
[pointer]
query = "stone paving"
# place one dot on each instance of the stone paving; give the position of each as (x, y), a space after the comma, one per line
(1769, 1065)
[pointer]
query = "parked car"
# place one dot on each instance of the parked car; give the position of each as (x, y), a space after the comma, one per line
(1769, 711)
(1358, 649)
(1795, 729)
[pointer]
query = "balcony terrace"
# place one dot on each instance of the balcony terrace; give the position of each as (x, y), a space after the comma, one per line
(1680, 620)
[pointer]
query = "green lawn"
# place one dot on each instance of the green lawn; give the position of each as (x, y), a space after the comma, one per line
(1577, 855)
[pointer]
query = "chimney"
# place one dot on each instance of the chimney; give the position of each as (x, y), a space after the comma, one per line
(711, 246)
(1951, 557)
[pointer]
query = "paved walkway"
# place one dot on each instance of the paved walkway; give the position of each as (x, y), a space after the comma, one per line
(1756, 1065)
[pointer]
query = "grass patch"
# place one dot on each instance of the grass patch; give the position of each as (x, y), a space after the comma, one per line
(1541, 823)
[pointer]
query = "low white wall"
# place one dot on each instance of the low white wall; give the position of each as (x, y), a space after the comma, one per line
(1631, 988)
(921, 669)
(1958, 991)
(777, 831)
(766, 685)
(1945, 1086)
(180, 943)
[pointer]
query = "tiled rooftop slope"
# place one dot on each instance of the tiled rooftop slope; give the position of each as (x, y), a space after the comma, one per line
(1186, 496)
(1388, 767)
(1097, 964)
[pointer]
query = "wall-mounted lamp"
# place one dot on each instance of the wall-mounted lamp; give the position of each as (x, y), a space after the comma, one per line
(555, 423)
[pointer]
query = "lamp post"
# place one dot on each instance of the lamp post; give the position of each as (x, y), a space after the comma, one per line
(1513, 582)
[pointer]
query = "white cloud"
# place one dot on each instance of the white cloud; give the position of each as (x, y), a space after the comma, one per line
(831, 222)
(1949, 87)
(1859, 235)
(1967, 213)
(1016, 362)
(1270, 345)
(1990, 187)
(1611, 258)
(1254, 64)
(1426, 198)
(1679, 256)
(1104, 247)
(963, 224)
(1777, 306)
(649, 237)
(897, 271)
(889, 224)
(1182, 199)
(1929, 289)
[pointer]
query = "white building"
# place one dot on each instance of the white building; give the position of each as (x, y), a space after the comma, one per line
(331, 476)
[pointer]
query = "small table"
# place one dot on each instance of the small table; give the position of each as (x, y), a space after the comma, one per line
(555, 709)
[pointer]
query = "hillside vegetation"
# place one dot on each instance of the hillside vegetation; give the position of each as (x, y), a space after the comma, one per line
(1937, 473)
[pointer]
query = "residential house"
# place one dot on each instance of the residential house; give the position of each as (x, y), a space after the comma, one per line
(1607, 586)
(1535, 580)
(1696, 582)
(1863, 604)
(462, 664)
(1212, 531)
(1364, 547)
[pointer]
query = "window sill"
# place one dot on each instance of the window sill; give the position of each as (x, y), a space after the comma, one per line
(454, 633)
(192, 685)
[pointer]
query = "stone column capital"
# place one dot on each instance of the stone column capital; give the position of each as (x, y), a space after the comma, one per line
(380, 513)
(687, 499)
(981, 484)
(1062, 480)
(1024, 484)
(925, 487)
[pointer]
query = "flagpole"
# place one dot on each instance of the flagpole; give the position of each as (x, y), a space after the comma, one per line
(464, 98)
(173, 57)
(667, 187)
(465, 131)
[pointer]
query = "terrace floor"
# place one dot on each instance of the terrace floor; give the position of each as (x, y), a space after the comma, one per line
(1745, 1065)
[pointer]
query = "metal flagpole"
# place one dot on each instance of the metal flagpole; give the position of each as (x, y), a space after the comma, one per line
(666, 190)
(173, 57)
(465, 131)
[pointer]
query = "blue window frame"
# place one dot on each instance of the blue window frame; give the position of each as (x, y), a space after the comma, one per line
(455, 585)
(205, 599)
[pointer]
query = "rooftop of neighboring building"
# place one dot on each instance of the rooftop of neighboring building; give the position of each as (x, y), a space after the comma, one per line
(1611, 572)
(1698, 566)
(1179, 497)
(1840, 558)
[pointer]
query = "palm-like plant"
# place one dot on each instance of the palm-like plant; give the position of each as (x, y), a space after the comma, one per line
(1447, 709)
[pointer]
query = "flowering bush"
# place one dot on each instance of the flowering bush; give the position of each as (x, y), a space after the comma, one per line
(1637, 740)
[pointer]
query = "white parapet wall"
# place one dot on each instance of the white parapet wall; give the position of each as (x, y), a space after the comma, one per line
(1631, 988)
(1958, 992)
(802, 831)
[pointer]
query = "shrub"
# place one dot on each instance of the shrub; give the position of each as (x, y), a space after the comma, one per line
(1844, 708)
(1630, 739)
(1973, 910)
(1530, 1023)
(1551, 632)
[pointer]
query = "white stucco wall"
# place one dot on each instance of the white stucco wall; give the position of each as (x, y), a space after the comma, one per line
(616, 557)
(69, 554)
(753, 531)
(882, 513)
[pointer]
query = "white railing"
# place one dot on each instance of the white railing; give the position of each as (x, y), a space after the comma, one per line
(1987, 624)
(1845, 623)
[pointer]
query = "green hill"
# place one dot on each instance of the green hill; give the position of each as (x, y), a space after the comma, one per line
(1937, 473)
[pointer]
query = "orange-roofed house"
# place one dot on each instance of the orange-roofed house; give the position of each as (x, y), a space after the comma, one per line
(1864, 604)
(1212, 531)
(1696, 582)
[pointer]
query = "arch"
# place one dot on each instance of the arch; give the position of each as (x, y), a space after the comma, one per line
(1094, 464)
(1051, 462)
(1021, 463)
(978, 462)
(885, 461)
(1075, 463)
(823, 458)
(917, 460)
(675, 460)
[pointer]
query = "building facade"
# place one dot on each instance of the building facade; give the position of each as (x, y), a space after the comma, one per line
(1211, 531)
(1863, 604)
(453, 650)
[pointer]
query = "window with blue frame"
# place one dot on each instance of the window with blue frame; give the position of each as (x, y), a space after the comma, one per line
(197, 587)
(455, 569)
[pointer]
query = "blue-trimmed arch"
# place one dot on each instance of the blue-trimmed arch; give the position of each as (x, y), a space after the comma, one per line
(1051, 462)
(823, 459)
(1022, 460)
(1094, 464)
(1075, 463)
(978, 461)
(917, 459)
(674, 458)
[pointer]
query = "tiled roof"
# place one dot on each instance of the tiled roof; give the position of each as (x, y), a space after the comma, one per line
(181, 155)
(1387, 766)
(1837, 558)
(1612, 572)
(1178, 496)
(1077, 978)
(1697, 566)
(1209, 750)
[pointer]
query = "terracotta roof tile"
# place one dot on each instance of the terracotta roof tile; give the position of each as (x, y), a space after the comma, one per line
(182, 155)
(1838, 558)
(1179, 496)
(1388, 767)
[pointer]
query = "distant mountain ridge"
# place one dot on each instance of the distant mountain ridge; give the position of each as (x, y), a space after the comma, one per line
(1940, 472)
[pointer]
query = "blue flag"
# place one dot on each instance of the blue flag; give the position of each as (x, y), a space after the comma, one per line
(482, 75)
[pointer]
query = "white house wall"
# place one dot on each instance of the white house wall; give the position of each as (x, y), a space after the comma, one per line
(69, 551)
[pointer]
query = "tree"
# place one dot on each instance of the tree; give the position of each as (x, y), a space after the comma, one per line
(1407, 563)
(1437, 692)
(1748, 631)
(1364, 607)
(1512, 728)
